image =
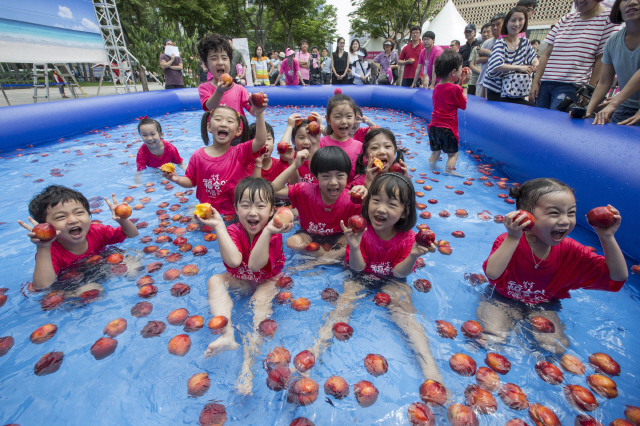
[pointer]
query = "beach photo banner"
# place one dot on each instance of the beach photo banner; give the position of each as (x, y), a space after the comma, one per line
(45, 31)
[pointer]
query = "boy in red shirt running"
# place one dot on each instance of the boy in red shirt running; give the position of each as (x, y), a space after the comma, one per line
(447, 99)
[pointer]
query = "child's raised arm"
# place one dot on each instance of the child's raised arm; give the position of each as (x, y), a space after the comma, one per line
(279, 183)
(183, 181)
(128, 228)
(43, 275)
(612, 254)
(404, 268)
(259, 256)
(214, 100)
(261, 129)
(499, 260)
(228, 250)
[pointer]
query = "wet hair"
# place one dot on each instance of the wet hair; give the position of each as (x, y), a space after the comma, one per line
(206, 117)
(214, 42)
(528, 195)
(447, 62)
(351, 45)
(516, 9)
(487, 25)
(335, 101)
(329, 159)
(498, 16)
(294, 132)
(338, 42)
(146, 121)
(251, 134)
(51, 196)
(528, 3)
(361, 167)
(616, 15)
(397, 186)
(259, 187)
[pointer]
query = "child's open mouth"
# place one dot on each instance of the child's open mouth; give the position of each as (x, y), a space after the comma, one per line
(379, 220)
(253, 223)
(76, 231)
(220, 70)
(559, 234)
(344, 129)
(222, 134)
(333, 191)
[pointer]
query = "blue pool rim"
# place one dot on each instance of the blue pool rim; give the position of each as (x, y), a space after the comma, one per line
(602, 163)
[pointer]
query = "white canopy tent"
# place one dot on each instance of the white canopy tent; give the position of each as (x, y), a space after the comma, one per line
(374, 46)
(448, 25)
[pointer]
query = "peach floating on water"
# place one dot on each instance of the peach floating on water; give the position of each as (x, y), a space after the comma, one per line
(147, 291)
(185, 248)
(303, 421)
(488, 379)
(49, 363)
(603, 386)
(267, 328)
(542, 324)
(179, 345)
(218, 322)
(278, 378)
(52, 301)
(382, 299)
(171, 274)
(342, 331)
(199, 251)
(462, 364)
(213, 415)
(180, 289)
(366, 393)
(198, 384)
(303, 392)
(446, 329)
(621, 422)
(543, 416)
(516, 422)
(497, 363)
(513, 397)
(304, 361)
(193, 323)
(6, 343)
(301, 304)
(422, 285)
(461, 415)
(43, 333)
(150, 249)
(420, 414)
(103, 347)
(115, 258)
(190, 270)
(141, 309)
(153, 329)
(632, 413)
(210, 237)
(153, 267)
(580, 398)
(605, 363)
(279, 356)
(329, 295)
(480, 400)
(462, 213)
(115, 327)
(376, 364)
(572, 364)
(472, 329)
(337, 387)
(283, 297)
(549, 373)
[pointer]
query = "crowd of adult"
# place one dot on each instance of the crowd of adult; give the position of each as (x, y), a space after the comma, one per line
(586, 49)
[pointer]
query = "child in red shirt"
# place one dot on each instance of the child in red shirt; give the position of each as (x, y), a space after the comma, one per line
(302, 140)
(447, 99)
(541, 265)
(252, 253)
(155, 151)
(216, 169)
(76, 237)
(358, 132)
(266, 166)
(378, 144)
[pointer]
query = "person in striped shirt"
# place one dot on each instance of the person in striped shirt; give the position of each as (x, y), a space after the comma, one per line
(573, 55)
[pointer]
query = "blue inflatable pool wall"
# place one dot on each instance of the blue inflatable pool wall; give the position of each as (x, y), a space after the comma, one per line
(602, 163)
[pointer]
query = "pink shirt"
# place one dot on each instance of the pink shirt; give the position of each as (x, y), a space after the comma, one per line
(237, 97)
(569, 266)
(358, 180)
(315, 216)
(146, 159)
(360, 134)
(382, 256)
(276, 256)
(270, 174)
(305, 175)
(304, 57)
(290, 74)
(215, 178)
(447, 99)
(427, 62)
(98, 237)
(352, 147)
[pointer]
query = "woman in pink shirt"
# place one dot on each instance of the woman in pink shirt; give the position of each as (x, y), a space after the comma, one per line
(290, 68)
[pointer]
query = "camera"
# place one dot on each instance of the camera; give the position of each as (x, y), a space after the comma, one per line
(578, 109)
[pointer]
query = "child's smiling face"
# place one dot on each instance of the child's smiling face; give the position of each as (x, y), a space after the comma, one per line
(342, 120)
(218, 63)
(382, 148)
(71, 219)
(253, 215)
(555, 215)
(223, 125)
(150, 136)
(384, 211)
(332, 183)
(301, 139)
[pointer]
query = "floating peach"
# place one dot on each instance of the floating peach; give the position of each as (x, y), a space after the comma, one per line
(461, 415)
(304, 361)
(603, 386)
(444, 213)
(153, 329)
(375, 364)
(193, 323)
(154, 266)
(572, 364)
(446, 250)
(516, 422)
(480, 400)
(471, 329)
(267, 328)
(199, 251)
(90, 295)
(210, 237)
(580, 398)
(542, 324)
(186, 247)
(6, 343)
(284, 282)
(141, 309)
(179, 345)
(43, 333)
(278, 378)
(462, 364)
(147, 291)
(173, 257)
(190, 270)
(48, 363)
(213, 414)
(632, 413)
(163, 239)
(366, 393)
(342, 331)
(198, 384)
(115, 327)
(488, 379)
(301, 304)
(432, 392)
(543, 416)
(176, 217)
(279, 356)
(303, 392)
(621, 422)
(605, 363)
(283, 297)
(382, 299)
(303, 421)
(171, 274)
(103, 347)
(497, 363)
(586, 420)
(93, 260)
(458, 234)
(513, 397)
(150, 249)
(337, 387)
(549, 373)
(422, 285)
(115, 258)
(446, 329)
(420, 415)
(180, 289)
(218, 322)
(462, 213)
(52, 301)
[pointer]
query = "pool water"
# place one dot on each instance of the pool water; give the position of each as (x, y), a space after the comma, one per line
(141, 383)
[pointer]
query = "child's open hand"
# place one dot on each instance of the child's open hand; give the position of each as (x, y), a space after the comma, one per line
(610, 231)
(515, 227)
(353, 239)
(291, 121)
(360, 191)
(32, 236)
(301, 158)
(260, 109)
(172, 176)
(314, 139)
(224, 87)
(288, 156)
(418, 250)
(112, 206)
(273, 229)
(372, 171)
(214, 221)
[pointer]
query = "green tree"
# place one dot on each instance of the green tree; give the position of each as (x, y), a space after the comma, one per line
(313, 20)
(255, 19)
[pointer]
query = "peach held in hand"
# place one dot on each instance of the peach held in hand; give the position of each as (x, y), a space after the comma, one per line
(283, 217)
(44, 231)
(123, 211)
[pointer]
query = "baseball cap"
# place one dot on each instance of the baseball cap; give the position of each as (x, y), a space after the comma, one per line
(387, 43)
(470, 27)
(289, 52)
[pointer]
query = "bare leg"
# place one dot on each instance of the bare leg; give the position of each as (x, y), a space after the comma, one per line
(435, 155)
(334, 255)
(261, 301)
(220, 303)
(342, 313)
(403, 314)
(555, 342)
(298, 241)
(497, 319)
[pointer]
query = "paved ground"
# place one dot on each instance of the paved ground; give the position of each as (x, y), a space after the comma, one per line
(25, 96)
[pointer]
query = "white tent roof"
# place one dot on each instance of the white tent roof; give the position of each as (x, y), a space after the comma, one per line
(448, 25)
(425, 27)
(374, 45)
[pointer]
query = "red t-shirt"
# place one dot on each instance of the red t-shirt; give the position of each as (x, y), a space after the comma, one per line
(407, 53)
(305, 175)
(361, 133)
(569, 266)
(270, 174)
(146, 159)
(276, 256)
(352, 147)
(382, 256)
(215, 178)
(98, 237)
(358, 180)
(447, 99)
(237, 97)
(316, 217)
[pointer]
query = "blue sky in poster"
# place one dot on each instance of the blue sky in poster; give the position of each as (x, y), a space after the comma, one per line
(75, 15)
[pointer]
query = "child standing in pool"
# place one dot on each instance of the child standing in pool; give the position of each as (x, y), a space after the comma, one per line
(252, 253)
(216, 169)
(378, 144)
(531, 270)
(155, 151)
(447, 99)
(386, 248)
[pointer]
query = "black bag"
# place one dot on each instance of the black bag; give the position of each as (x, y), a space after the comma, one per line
(394, 71)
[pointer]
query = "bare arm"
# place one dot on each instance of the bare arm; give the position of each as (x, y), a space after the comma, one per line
(604, 84)
(356, 260)
(474, 67)
(404, 268)
(228, 250)
(167, 64)
(612, 254)
(261, 129)
(542, 64)
(214, 100)
(279, 183)
(597, 70)
(259, 256)
(43, 274)
(415, 78)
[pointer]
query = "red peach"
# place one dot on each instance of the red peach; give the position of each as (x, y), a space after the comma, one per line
(601, 217)
(193, 323)
(422, 285)
(356, 198)
(179, 346)
(268, 328)
(219, 322)
(282, 147)
(572, 364)
(527, 217)
(329, 295)
(103, 347)
(396, 168)
(342, 331)
(420, 181)
(94, 260)
(375, 364)
(191, 226)
(420, 415)
(147, 291)
(632, 413)
(115, 258)
(301, 304)
(446, 330)
(444, 213)
(226, 78)
(302, 421)
(115, 327)
(432, 201)
(516, 422)
(337, 387)
(462, 364)
(586, 420)
(425, 215)
(128, 199)
(425, 237)
(179, 241)
(44, 231)
(49, 363)
(621, 422)
(138, 207)
(210, 237)
(543, 416)
(178, 316)
(427, 188)
(257, 99)
(145, 280)
(357, 224)
(513, 397)
(366, 393)
(282, 217)
(6, 343)
(153, 267)
(461, 415)
(198, 384)
(278, 378)
(213, 414)
(171, 274)
(199, 251)
(52, 301)
(304, 361)
(445, 250)
(303, 392)
(580, 398)
(150, 249)
(43, 333)
(480, 400)
(421, 206)
(419, 194)
(89, 296)
(141, 309)
(283, 297)
(462, 213)
(284, 282)
(488, 379)
(176, 217)
(549, 373)
(279, 356)
(163, 239)
(542, 324)
(423, 226)
(635, 269)
(475, 279)
(180, 289)
(458, 234)
(123, 211)
(153, 329)
(497, 363)
(382, 299)
(605, 363)
(498, 218)
(173, 257)
(603, 386)
(472, 329)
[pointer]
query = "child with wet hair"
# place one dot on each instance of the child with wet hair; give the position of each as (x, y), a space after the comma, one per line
(357, 132)
(534, 264)
(75, 236)
(155, 151)
(252, 254)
